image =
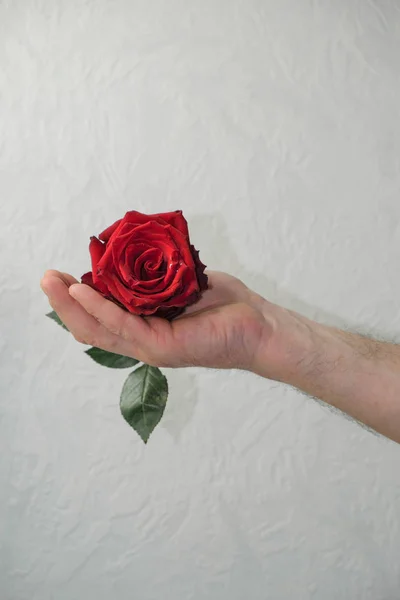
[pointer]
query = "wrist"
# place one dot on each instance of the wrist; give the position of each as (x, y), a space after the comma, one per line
(303, 353)
(357, 375)
(290, 347)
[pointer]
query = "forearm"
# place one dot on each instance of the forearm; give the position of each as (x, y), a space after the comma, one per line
(358, 375)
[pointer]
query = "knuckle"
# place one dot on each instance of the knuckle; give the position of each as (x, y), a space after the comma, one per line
(156, 361)
(112, 344)
(147, 359)
(112, 324)
(93, 341)
(115, 330)
(86, 337)
(123, 327)
(163, 364)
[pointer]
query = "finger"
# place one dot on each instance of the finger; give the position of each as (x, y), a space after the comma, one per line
(66, 277)
(173, 341)
(135, 335)
(83, 327)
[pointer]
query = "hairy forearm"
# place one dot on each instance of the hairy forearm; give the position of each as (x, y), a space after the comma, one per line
(357, 375)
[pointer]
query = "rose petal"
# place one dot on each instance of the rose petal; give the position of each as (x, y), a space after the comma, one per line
(152, 234)
(107, 233)
(128, 261)
(175, 218)
(128, 234)
(117, 241)
(87, 279)
(188, 286)
(202, 278)
(182, 243)
(96, 249)
(148, 265)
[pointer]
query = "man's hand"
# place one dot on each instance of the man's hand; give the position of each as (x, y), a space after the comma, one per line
(233, 327)
(223, 330)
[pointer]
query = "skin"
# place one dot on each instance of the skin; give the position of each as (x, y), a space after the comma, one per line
(232, 327)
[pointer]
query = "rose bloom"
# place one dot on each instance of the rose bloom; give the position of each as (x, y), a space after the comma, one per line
(147, 265)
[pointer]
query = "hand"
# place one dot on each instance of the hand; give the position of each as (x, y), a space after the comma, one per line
(232, 327)
(223, 330)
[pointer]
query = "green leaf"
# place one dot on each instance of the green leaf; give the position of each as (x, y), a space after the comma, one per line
(143, 399)
(53, 315)
(109, 359)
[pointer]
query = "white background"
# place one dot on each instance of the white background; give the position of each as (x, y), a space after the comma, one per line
(275, 126)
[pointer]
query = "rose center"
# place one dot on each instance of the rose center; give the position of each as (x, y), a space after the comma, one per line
(149, 265)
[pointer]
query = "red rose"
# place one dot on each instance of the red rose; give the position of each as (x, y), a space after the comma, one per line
(146, 264)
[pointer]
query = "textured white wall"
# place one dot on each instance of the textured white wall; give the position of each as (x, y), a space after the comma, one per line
(275, 126)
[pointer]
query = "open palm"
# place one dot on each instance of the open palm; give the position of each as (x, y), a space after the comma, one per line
(222, 330)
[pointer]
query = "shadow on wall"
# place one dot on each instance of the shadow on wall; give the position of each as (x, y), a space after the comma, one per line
(182, 405)
(180, 413)
(217, 237)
